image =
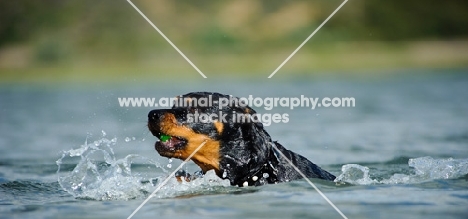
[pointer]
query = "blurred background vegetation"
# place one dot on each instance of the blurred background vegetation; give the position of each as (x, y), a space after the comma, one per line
(82, 40)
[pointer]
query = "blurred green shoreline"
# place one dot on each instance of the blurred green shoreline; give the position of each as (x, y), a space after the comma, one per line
(49, 41)
(341, 58)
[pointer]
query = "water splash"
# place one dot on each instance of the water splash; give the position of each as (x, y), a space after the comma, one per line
(207, 184)
(99, 175)
(355, 174)
(425, 169)
(169, 165)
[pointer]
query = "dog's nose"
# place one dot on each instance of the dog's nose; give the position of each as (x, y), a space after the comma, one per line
(154, 115)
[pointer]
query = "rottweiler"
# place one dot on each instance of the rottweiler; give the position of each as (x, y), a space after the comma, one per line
(237, 147)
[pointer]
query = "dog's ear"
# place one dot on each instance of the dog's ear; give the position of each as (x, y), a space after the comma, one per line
(245, 149)
(256, 137)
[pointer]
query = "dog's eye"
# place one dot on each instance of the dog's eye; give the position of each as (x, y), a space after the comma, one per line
(164, 138)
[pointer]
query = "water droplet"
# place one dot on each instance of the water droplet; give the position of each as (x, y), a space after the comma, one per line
(224, 174)
(103, 133)
(266, 175)
(169, 165)
(170, 160)
(127, 139)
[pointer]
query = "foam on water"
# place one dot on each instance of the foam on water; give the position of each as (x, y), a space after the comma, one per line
(425, 169)
(93, 172)
(99, 175)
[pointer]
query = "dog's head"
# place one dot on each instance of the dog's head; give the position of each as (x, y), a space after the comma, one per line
(235, 145)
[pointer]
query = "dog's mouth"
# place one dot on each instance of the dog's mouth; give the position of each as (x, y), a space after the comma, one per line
(168, 143)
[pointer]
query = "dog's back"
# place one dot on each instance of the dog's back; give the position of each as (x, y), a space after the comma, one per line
(309, 169)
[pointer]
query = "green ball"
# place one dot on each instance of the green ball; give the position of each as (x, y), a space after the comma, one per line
(164, 138)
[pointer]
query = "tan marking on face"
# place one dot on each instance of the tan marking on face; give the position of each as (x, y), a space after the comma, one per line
(219, 126)
(207, 157)
(247, 110)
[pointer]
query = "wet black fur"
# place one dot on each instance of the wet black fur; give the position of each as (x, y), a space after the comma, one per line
(246, 152)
